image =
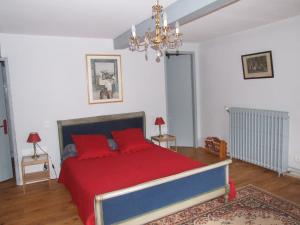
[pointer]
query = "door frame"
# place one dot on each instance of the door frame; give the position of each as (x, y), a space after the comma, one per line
(10, 119)
(194, 89)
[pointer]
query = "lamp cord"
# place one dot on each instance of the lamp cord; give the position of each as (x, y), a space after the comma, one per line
(49, 158)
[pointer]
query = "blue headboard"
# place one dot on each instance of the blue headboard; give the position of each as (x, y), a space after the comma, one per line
(98, 125)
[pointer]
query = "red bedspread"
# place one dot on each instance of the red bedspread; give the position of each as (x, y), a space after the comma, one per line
(87, 178)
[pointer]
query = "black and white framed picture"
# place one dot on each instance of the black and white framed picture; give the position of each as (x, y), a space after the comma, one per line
(104, 77)
(258, 65)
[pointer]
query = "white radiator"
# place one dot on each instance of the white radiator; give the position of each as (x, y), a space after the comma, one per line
(260, 137)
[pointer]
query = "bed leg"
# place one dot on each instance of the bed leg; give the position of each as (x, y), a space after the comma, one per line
(98, 211)
(227, 190)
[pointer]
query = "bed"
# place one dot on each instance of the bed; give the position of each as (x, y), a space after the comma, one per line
(139, 187)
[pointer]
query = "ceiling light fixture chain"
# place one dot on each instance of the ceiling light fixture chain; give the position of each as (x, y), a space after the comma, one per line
(162, 38)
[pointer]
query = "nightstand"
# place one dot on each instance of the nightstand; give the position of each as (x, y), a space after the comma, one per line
(165, 138)
(33, 177)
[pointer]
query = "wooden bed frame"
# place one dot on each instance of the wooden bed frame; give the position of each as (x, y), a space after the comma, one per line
(102, 200)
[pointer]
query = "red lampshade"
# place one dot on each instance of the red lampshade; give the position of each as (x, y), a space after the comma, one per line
(33, 138)
(159, 121)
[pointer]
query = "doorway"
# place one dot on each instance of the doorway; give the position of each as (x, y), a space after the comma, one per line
(181, 96)
(8, 153)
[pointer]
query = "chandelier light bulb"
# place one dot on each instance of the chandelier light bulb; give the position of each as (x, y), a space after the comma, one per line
(133, 31)
(165, 19)
(177, 27)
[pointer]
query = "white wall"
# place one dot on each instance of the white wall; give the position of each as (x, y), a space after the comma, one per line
(223, 85)
(48, 83)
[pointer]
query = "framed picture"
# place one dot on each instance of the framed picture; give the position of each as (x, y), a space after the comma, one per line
(104, 77)
(258, 65)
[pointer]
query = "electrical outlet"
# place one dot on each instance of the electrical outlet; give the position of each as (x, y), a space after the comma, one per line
(45, 167)
(297, 158)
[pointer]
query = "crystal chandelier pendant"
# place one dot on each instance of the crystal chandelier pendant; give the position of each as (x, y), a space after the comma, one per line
(146, 54)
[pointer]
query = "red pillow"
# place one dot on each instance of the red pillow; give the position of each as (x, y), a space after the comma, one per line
(91, 146)
(130, 140)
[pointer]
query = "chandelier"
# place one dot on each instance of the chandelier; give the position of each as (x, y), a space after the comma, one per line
(161, 39)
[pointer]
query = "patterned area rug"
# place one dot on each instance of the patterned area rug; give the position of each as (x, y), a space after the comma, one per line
(252, 206)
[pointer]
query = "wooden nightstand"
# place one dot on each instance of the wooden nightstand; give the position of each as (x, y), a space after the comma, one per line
(165, 138)
(32, 177)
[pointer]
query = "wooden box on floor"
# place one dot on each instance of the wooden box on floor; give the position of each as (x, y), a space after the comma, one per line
(216, 146)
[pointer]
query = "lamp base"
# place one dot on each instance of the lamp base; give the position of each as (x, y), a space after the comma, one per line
(160, 135)
(35, 156)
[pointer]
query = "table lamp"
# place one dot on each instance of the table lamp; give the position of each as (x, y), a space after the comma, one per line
(34, 138)
(159, 121)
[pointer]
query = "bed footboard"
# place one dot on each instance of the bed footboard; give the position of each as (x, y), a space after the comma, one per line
(155, 199)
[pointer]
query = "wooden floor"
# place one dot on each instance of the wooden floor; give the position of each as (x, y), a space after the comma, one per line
(44, 205)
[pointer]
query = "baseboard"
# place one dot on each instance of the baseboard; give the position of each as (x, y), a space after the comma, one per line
(293, 172)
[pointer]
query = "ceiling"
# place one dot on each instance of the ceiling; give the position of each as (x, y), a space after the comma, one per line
(78, 18)
(110, 18)
(240, 16)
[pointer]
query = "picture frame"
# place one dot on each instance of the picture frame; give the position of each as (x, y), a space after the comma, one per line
(258, 65)
(104, 78)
